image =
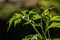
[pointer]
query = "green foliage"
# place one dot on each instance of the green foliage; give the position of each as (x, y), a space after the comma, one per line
(54, 24)
(16, 19)
(56, 18)
(28, 37)
(31, 16)
(33, 37)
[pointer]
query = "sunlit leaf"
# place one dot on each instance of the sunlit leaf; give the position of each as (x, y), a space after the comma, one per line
(56, 18)
(53, 25)
(15, 19)
(35, 17)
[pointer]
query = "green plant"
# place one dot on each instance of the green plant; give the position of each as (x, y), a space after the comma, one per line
(30, 17)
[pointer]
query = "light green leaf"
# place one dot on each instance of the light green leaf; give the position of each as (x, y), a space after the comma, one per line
(53, 25)
(57, 18)
(32, 12)
(37, 24)
(35, 17)
(10, 22)
(46, 12)
(29, 21)
(17, 21)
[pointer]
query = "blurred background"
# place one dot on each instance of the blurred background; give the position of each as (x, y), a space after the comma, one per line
(9, 7)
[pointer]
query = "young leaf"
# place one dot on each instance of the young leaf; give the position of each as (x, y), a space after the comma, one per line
(53, 25)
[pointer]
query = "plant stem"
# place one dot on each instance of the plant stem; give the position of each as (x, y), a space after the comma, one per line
(43, 30)
(47, 23)
(35, 28)
(44, 33)
(49, 35)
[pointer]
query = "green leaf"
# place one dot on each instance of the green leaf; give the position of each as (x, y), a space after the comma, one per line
(37, 24)
(28, 22)
(24, 12)
(32, 12)
(25, 17)
(56, 18)
(46, 12)
(35, 17)
(28, 37)
(33, 37)
(17, 21)
(37, 37)
(53, 25)
(40, 37)
(14, 19)
(10, 22)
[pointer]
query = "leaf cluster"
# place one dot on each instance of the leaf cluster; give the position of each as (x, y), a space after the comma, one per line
(31, 17)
